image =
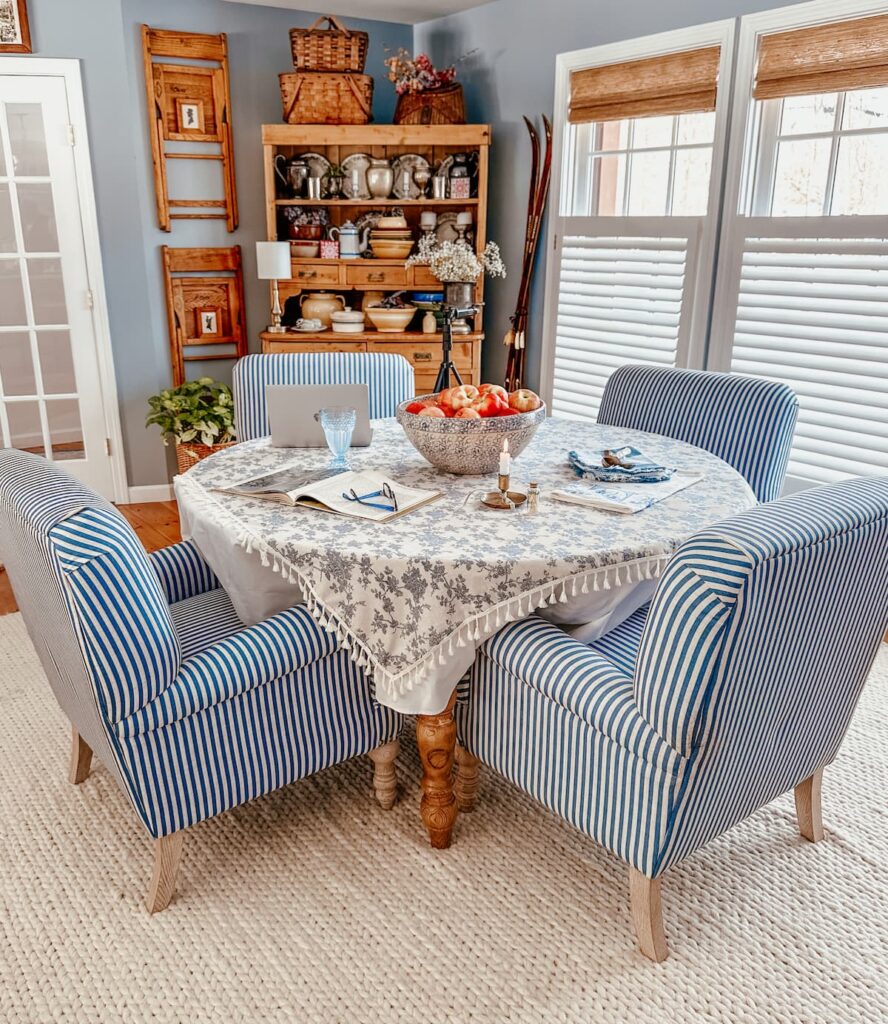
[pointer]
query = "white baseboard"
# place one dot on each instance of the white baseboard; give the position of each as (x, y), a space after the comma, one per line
(151, 492)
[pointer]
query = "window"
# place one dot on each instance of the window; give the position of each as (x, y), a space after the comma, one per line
(633, 243)
(644, 166)
(803, 270)
(798, 290)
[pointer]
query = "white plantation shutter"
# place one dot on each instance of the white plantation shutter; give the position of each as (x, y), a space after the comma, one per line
(620, 300)
(814, 314)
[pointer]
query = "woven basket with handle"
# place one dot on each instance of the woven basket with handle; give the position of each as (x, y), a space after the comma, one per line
(434, 106)
(188, 455)
(322, 97)
(335, 48)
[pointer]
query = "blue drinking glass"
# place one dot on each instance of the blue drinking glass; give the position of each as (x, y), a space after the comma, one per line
(338, 423)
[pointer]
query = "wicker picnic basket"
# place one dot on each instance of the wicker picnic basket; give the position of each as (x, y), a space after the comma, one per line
(433, 106)
(323, 97)
(335, 48)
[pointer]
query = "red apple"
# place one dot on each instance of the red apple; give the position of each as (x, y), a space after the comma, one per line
(524, 400)
(416, 407)
(494, 389)
(448, 412)
(432, 410)
(509, 412)
(488, 405)
(468, 413)
(458, 397)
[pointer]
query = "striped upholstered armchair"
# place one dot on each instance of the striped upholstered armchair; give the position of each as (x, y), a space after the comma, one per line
(388, 376)
(189, 711)
(746, 421)
(741, 687)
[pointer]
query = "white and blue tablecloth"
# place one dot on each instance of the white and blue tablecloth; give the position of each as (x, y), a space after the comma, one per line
(414, 598)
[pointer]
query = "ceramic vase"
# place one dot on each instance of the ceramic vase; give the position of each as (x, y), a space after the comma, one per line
(380, 179)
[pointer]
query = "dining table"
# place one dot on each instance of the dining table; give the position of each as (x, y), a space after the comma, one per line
(412, 599)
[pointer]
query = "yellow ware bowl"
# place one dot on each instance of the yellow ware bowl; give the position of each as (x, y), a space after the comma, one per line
(391, 250)
(391, 320)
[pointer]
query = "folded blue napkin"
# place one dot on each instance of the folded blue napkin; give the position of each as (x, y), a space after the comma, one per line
(639, 468)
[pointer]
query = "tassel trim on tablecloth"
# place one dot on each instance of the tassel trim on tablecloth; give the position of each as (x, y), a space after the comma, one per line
(473, 631)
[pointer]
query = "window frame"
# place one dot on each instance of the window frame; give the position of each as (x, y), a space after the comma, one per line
(702, 244)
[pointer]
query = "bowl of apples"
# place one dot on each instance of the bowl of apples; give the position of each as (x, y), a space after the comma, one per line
(462, 429)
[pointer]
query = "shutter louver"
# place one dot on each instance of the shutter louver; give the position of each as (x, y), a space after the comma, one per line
(673, 83)
(619, 301)
(814, 314)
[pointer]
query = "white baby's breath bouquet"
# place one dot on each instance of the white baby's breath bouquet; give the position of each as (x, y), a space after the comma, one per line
(458, 261)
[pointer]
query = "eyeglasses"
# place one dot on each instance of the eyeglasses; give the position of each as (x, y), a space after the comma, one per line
(364, 499)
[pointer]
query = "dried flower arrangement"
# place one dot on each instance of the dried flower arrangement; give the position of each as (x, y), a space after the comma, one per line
(417, 74)
(457, 261)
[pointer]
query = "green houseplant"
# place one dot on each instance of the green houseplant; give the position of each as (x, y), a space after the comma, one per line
(197, 416)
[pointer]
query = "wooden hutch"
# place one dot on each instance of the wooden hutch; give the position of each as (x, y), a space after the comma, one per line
(358, 275)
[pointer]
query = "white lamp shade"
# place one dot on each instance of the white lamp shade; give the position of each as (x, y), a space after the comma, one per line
(273, 260)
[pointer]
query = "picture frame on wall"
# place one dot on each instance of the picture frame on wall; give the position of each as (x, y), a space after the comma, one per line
(189, 114)
(15, 32)
(209, 321)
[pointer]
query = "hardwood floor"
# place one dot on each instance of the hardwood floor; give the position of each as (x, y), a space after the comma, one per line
(156, 523)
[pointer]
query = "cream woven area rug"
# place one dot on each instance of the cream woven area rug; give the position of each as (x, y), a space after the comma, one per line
(314, 905)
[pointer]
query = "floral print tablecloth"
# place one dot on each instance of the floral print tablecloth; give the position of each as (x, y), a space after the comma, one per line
(409, 597)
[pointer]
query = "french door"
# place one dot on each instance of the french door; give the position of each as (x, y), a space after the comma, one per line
(51, 395)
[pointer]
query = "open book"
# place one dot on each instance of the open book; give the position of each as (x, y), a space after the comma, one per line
(381, 499)
(624, 498)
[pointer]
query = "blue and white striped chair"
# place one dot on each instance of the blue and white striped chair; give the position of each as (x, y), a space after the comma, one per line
(746, 421)
(388, 376)
(189, 711)
(746, 674)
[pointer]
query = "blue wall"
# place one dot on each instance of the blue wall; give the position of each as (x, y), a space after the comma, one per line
(513, 73)
(105, 36)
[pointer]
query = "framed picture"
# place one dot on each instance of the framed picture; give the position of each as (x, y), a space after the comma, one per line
(190, 114)
(15, 34)
(208, 321)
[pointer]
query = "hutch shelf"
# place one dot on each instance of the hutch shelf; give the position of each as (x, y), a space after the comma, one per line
(353, 277)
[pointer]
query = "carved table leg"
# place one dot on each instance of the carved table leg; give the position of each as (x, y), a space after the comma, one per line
(436, 739)
(466, 785)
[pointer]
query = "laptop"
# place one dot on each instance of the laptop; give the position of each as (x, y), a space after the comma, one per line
(293, 409)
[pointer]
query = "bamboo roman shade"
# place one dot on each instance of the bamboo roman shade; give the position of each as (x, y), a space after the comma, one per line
(826, 58)
(674, 83)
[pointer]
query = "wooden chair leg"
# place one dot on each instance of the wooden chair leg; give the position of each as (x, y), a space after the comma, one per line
(167, 853)
(467, 779)
(81, 758)
(807, 801)
(647, 915)
(385, 781)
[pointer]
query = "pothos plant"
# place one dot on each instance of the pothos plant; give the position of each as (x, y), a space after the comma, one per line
(197, 412)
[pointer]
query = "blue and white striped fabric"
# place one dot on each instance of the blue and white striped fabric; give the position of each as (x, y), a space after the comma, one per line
(388, 376)
(749, 666)
(746, 421)
(620, 645)
(191, 712)
(182, 572)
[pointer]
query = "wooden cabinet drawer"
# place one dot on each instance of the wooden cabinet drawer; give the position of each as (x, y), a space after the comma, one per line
(314, 346)
(365, 273)
(425, 353)
(423, 278)
(315, 273)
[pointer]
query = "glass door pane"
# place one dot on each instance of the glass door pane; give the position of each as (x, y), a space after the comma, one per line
(39, 406)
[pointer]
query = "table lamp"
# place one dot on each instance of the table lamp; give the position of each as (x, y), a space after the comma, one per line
(273, 264)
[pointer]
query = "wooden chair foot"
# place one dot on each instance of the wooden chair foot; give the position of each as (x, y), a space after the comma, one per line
(647, 915)
(167, 853)
(467, 780)
(81, 758)
(807, 801)
(385, 782)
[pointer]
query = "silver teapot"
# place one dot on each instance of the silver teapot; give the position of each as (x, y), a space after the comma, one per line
(293, 173)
